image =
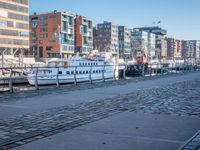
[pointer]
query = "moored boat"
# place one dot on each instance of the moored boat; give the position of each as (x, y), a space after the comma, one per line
(67, 71)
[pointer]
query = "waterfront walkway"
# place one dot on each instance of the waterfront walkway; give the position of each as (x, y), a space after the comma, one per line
(138, 114)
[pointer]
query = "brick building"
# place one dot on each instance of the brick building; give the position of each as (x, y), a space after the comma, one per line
(52, 34)
(83, 35)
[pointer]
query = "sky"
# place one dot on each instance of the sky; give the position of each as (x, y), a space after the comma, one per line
(181, 18)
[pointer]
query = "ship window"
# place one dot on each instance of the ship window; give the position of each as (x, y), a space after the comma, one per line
(83, 64)
(83, 72)
(76, 72)
(80, 72)
(59, 72)
(79, 64)
(93, 71)
(96, 71)
(87, 72)
(72, 72)
(68, 72)
(86, 64)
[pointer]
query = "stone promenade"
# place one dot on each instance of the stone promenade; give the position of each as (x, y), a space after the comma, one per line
(155, 113)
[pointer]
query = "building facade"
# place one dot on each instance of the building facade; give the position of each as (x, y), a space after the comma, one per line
(161, 44)
(124, 36)
(143, 45)
(14, 26)
(52, 34)
(106, 38)
(174, 48)
(83, 35)
(191, 49)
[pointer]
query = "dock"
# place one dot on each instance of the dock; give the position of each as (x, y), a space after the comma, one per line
(161, 112)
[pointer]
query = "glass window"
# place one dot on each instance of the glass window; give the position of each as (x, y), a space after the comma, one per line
(43, 17)
(49, 48)
(43, 23)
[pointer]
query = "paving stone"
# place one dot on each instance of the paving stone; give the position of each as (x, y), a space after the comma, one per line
(38, 125)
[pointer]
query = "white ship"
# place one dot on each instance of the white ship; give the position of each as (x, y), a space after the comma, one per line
(67, 71)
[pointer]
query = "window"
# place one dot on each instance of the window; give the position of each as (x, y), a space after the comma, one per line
(40, 42)
(59, 72)
(87, 72)
(43, 23)
(72, 72)
(80, 72)
(43, 17)
(83, 72)
(93, 71)
(43, 35)
(43, 30)
(68, 72)
(49, 48)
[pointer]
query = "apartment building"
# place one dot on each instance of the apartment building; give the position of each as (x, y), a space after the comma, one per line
(14, 26)
(83, 35)
(52, 34)
(191, 49)
(124, 36)
(174, 48)
(106, 38)
(161, 44)
(143, 45)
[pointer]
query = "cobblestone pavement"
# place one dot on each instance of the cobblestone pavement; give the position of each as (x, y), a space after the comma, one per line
(193, 143)
(181, 99)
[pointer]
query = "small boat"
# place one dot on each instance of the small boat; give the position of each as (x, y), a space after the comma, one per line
(77, 69)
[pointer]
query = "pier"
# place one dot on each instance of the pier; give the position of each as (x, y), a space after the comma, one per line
(158, 112)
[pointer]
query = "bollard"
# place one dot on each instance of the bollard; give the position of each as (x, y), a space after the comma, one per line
(75, 79)
(151, 71)
(114, 75)
(90, 75)
(57, 78)
(103, 73)
(36, 79)
(124, 73)
(143, 74)
(175, 68)
(11, 82)
(156, 69)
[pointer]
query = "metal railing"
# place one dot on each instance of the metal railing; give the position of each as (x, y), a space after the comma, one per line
(18, 75)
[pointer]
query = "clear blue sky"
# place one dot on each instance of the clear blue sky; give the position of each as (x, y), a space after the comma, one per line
(180, 17)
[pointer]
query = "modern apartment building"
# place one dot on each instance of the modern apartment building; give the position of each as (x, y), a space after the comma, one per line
(174, 48)
(52, 34)
(161, 44)
(191, 49)
(83, 35)
(14, 26)
(143, 45)
(124, 36)
(106, 38)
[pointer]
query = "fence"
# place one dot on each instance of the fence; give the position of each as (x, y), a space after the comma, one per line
(18, 75)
